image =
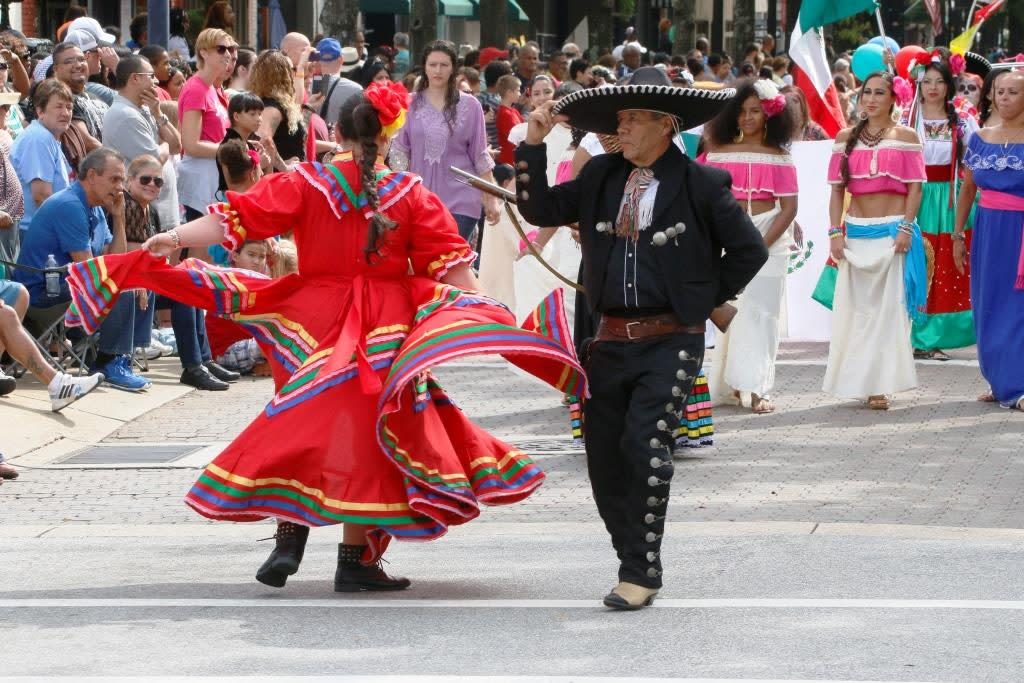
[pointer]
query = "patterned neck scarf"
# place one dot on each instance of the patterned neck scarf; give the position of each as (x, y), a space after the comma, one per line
(628, 222)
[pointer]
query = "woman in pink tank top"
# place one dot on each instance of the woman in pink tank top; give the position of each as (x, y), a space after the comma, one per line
(880, 281)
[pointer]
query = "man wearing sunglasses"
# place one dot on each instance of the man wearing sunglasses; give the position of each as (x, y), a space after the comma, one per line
(134, 124)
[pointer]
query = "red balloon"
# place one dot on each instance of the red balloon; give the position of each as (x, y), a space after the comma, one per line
(906, 55)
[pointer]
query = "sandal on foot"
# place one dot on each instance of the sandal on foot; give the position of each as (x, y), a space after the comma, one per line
(987, 397)
(878, 402)
(939, 354)
(762, 405)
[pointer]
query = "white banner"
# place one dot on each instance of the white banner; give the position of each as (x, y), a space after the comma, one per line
(803, 318)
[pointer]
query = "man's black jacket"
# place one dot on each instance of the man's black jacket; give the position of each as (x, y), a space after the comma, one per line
(714, 258)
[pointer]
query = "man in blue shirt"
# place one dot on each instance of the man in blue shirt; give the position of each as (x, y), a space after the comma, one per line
(71, 225)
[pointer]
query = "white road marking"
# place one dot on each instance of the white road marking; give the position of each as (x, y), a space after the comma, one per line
(407, 603)
(446, 678)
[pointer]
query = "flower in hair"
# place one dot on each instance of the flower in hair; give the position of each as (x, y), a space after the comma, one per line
(772, 102)
(902, 90)
(957, 64)
(391, 101)
(765, 89)
(254, 157)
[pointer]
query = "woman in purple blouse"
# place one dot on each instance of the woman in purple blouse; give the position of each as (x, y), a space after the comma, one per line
(445, 127)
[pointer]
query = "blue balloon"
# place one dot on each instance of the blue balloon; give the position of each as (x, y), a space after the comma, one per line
(867, 59)
(886, 42)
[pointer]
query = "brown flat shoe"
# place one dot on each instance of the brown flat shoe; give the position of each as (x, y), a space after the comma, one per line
(7, 472)
(878, 403)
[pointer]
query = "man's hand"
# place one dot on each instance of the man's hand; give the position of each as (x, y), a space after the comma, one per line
(117, 206)
(541, 122)
(5, 220)
(109, 58)
(151, 102)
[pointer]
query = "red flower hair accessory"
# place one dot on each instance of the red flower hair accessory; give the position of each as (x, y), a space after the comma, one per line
(254, 157)
(391, 101)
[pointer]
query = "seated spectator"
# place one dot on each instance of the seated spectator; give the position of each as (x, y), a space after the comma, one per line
(375, 71)
(71, 226)
(12, 204)
(507, 117)
(141, 221)
(71, 68)
(37, 155)
(101, 59)
(64, 389)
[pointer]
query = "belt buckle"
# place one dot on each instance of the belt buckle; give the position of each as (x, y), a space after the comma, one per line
(629, 331)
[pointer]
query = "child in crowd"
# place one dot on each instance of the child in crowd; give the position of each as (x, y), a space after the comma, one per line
(506, 117)
(246, 113)
(229, 342)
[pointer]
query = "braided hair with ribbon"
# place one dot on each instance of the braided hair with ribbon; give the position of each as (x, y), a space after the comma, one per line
(376, 114)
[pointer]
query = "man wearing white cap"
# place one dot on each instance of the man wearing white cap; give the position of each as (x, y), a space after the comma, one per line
(96, 56)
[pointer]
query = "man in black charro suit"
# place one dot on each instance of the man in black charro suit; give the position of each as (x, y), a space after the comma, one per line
(664, 243)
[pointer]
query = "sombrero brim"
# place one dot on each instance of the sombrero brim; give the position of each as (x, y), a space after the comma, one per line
(595, 110)
(976, 64)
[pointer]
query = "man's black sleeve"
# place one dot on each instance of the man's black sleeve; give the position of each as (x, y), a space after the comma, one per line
(540, 205)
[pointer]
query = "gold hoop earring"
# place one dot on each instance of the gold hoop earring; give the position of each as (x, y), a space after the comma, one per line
(739, 138)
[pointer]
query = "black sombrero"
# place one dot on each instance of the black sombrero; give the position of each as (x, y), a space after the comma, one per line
(976, 64)
(595, 110)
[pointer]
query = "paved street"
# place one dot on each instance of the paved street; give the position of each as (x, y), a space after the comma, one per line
(825, 542)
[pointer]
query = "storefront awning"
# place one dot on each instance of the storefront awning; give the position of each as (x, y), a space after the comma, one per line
(515, 12)
(456, 8)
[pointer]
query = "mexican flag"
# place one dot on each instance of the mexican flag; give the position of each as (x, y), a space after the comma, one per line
(812, 72)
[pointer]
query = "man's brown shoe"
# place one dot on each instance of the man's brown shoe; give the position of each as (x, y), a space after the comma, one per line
(629, 597)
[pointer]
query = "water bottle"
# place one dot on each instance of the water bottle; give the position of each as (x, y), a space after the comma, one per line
(52, 277)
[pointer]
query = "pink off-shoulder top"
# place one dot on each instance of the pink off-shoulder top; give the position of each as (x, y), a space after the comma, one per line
(756, 176)
(886, 167)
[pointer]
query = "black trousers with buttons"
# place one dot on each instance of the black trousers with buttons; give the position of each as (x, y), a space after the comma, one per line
(636, 390)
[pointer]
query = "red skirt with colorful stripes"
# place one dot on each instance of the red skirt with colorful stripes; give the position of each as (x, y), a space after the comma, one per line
(358, 430)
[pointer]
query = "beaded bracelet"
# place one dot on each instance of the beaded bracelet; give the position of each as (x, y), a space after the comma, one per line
(958, 236)
(835, 232)
(906, 229)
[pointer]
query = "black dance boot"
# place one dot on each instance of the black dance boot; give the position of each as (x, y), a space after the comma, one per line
(286, 556)
(353, 576)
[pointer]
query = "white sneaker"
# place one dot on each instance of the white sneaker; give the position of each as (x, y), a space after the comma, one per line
(164, 349)
(149, 353)
(66, 389)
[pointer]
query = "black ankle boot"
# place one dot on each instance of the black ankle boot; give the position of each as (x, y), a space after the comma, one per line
(284, 560)
(353, 576)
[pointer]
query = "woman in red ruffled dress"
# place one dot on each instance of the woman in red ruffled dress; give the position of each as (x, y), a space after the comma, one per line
(358, 432)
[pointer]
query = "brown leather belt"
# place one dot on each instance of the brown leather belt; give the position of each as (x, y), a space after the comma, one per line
(634, 329)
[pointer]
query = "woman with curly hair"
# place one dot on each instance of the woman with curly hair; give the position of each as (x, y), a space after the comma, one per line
(750, 139)
(282, 126)
(880, 282)
(359, 432)
(446, 128)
